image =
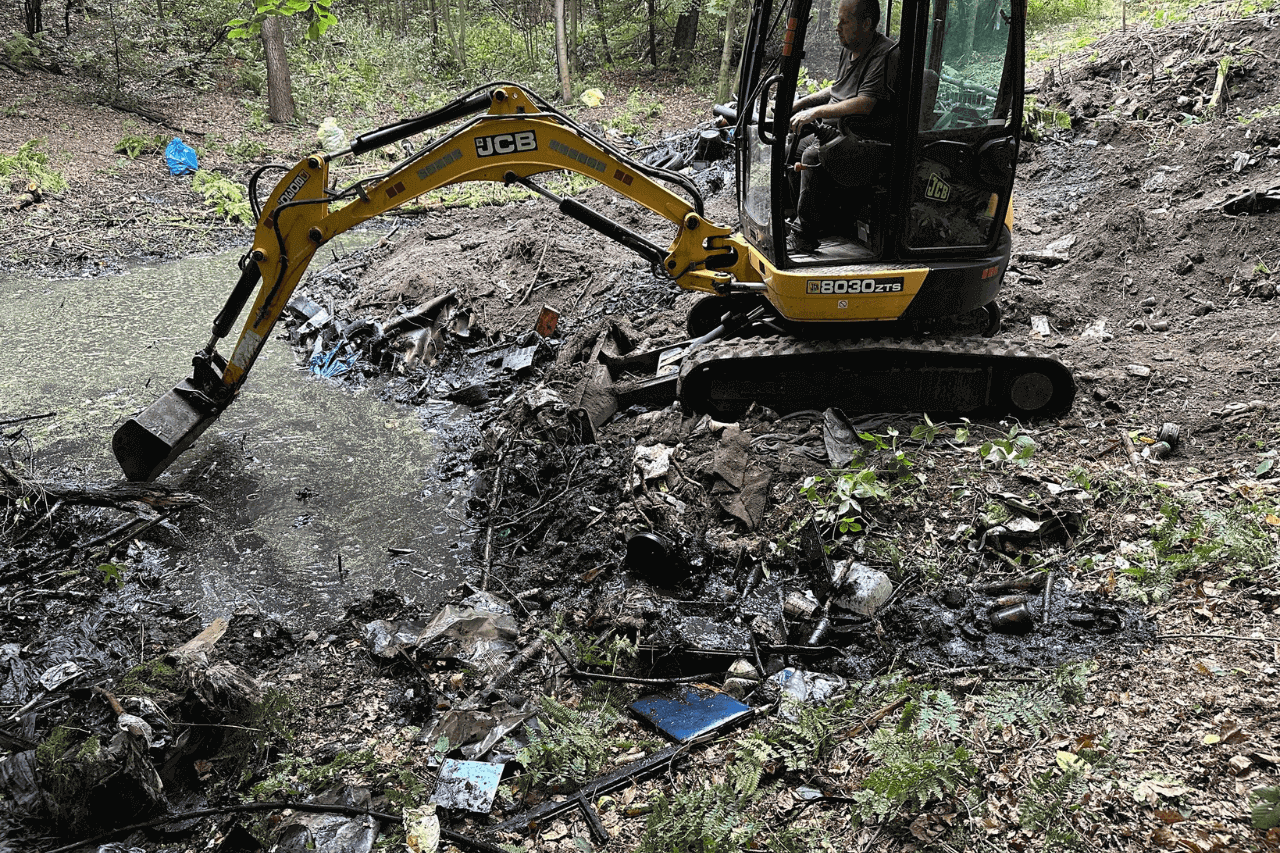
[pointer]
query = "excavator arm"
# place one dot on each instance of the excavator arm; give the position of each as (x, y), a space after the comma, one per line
(518, 137)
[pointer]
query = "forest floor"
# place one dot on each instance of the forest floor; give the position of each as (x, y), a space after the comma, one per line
(1138, 710)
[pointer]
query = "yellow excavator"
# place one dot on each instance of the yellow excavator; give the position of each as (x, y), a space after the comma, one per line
(922, 234)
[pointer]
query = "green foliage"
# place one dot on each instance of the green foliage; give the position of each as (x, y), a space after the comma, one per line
(1038, 119)
(707, 819)
(612, 653)
(1033, 704)
(1013, 448)
(1265, 807)
(1047, 803)
(133, 145)
(295, 776)
(1046, 13)
(224, 196)
(32, 165)
(912, 772)
(112, 574)
(637, 116)
(22, 51)
(150, 678)
(252, 732)
(316, 11)
(1188, 538)
(569, 746)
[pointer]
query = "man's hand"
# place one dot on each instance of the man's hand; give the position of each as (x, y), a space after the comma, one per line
(803, 117)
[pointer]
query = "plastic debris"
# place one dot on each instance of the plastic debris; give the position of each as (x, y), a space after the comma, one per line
(180, 158)
(422, 830)
(806, 687)
(331, 137)
(689, 712)
(328, 365)
(331, 833)
(592, 97)
(469, 785)
(863, 589)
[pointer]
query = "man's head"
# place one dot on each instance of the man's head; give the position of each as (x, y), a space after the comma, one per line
(857, 21)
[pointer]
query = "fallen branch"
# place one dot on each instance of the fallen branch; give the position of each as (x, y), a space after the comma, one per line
(452, 837)
(1217, 637)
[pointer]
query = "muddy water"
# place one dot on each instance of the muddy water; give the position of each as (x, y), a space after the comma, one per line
(316, 495)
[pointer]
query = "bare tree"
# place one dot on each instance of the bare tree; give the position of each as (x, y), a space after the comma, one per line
(562, 55)
(726, 55)
(280, 104)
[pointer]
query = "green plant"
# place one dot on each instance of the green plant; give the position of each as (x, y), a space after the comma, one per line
(637, 115)
(569, 746)
(134, 146)
(316, 11)
(710, 819)
(1013, 448)
(1044, 701)
(23, 51)
(1048, 802)
(247, 148)
(33, 165)
(225, 197)
(837, 498)
(1265, 807)
(112, 574)
(913, 771)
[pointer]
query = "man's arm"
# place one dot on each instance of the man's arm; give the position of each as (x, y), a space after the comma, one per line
(810, 101)
(860, 105)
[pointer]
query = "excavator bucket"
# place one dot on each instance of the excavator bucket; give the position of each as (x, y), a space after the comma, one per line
(146, 445)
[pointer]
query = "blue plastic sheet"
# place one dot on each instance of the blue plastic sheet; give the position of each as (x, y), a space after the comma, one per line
(180, 158)
(329, 365)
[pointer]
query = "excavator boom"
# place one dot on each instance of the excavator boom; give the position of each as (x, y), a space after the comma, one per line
(518, 137)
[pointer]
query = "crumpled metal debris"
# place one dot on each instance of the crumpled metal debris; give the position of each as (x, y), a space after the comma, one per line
(331, 833)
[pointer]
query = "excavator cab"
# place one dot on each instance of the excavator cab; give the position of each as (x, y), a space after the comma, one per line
(930, 181)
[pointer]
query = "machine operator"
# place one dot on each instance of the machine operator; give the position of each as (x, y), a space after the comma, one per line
(861, 89)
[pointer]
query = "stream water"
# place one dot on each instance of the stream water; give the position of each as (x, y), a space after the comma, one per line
(315, 495)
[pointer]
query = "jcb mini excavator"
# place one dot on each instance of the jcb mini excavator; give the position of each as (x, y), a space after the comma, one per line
(924, 232)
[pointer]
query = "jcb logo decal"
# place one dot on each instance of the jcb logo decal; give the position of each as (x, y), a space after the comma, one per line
(506, 143)
(291, 191)
(938, 189)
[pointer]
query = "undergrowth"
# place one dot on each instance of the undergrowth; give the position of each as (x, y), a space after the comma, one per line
(31, 164)
(225, 197)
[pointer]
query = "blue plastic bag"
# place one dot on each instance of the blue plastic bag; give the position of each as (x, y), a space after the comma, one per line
(180, 158)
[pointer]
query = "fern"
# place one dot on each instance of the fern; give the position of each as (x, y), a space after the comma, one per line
(713, 819)
(570, 746)
(1033, 704)
(932, 708)
(1047, 803)
(913, 772)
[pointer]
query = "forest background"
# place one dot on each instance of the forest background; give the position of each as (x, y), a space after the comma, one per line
(365, 61)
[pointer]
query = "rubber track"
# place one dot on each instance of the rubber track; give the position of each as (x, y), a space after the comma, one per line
(966, 376)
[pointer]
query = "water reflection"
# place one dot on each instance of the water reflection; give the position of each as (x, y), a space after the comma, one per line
(316, 495)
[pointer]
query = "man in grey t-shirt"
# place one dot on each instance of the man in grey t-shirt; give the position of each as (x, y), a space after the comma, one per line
(861, 88)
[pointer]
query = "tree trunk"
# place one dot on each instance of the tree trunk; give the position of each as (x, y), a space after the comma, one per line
(681, 56)
(279, 84)
(575, 61)
(653, 35)
(33, 16)
(562, 56)
(723, 83)
(462, 34)
(604, 36)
